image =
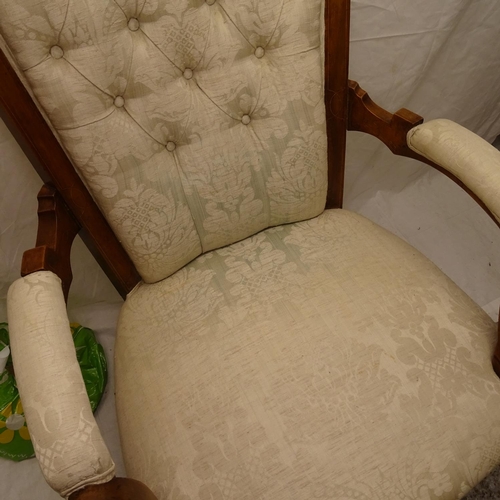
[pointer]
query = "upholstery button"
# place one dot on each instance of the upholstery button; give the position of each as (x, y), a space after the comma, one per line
(133, 24)
(171, 146)
(246, 120)
(56, 52)
(119, 101)
(210, 2)
(188, 74)
(259, 52)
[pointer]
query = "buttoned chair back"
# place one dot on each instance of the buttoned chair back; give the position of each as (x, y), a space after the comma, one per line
(193, 123)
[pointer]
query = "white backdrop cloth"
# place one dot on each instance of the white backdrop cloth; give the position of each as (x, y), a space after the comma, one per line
(439, 58)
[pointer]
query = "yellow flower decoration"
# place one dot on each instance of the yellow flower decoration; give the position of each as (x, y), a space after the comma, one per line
(12, 422)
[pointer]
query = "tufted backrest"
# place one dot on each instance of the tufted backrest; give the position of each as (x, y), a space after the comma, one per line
(194, 123)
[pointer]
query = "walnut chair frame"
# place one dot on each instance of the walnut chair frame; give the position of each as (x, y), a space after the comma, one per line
(66, 208)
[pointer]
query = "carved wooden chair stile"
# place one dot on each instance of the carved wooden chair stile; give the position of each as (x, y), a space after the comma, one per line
(272, 345)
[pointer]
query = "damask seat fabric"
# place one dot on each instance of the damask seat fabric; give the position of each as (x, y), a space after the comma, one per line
(325, 359)
(194, 124)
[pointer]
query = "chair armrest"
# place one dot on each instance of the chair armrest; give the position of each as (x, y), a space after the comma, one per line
(471, 159)
(395, 131)
(67, 441)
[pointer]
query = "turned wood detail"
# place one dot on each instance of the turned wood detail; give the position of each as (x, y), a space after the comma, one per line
(57, 229)
(118, 488)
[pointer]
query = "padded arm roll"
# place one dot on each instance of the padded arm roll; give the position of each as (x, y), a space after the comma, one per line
(464, 154)
(67, 441)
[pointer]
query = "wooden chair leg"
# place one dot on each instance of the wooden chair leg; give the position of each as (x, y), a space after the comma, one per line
(119, 488)
(496, 356)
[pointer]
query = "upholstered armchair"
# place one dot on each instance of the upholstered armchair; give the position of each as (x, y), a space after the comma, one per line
(271, 345)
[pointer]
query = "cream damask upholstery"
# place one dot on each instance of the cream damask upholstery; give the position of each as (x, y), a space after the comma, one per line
(67, 441)
(322, 360)
(195, 123)
(466, 155)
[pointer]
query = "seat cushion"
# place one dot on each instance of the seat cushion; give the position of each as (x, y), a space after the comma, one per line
(325, 359)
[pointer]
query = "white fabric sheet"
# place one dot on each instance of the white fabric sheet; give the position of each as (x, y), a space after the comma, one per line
(437, 58)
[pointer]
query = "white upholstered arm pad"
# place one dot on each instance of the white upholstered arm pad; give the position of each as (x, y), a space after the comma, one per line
(471, 159)
(67, 441)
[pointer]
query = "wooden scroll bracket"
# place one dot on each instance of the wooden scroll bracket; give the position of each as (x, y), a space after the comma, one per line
(118, 488)
(392, 130)
(57, 229)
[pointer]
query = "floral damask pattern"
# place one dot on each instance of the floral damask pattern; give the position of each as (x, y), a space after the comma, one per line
(155, 224)
(212, 108)
(257, 270)
(233, 207)
(299, 179)
(324, 359)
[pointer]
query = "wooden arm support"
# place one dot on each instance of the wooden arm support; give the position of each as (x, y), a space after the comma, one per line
(118, 488)
(496, 355)
(56, 231)
(392, 130)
